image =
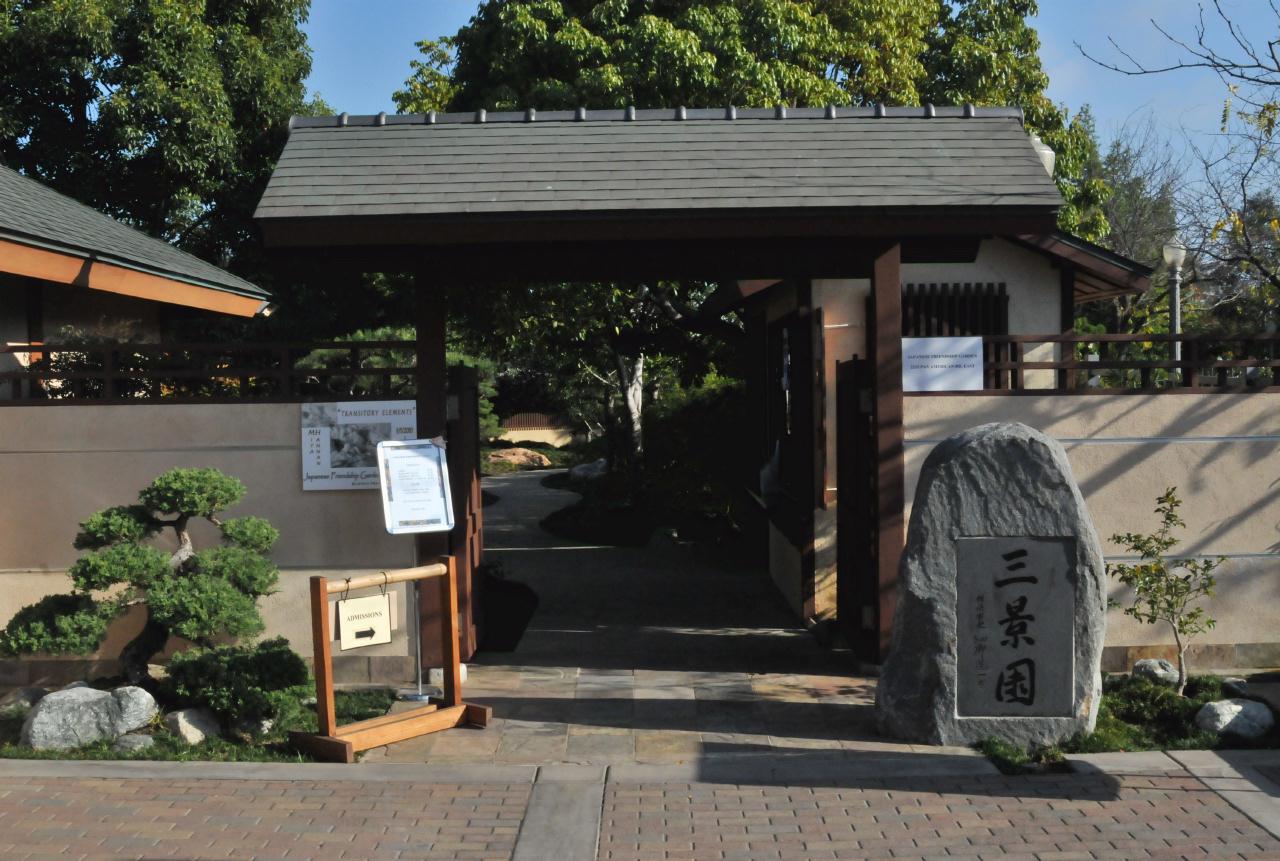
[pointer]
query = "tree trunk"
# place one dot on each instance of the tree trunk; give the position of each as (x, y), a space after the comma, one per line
(1182, 660)
(135, 657)
(631, 385)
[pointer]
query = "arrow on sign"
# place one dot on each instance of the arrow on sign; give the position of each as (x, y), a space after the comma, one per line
(366, 634)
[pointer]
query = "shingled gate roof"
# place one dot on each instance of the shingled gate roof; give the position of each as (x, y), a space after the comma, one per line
(44, 233)
(600, 164)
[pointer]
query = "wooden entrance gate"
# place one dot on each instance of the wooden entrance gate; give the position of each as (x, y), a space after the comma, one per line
(857, 581)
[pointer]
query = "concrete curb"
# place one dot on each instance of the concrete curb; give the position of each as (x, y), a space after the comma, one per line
(790, 768)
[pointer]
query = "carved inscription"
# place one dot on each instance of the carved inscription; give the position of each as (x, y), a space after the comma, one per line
(1015, 618)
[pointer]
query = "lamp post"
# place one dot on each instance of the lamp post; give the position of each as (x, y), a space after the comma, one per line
(1174, 255)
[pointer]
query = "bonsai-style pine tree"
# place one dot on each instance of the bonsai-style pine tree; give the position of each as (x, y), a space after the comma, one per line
(199, 595)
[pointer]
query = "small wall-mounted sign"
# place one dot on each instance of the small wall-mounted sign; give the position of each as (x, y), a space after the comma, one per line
(364, 621)
(339, 441)
(415, 486)
(942, 364)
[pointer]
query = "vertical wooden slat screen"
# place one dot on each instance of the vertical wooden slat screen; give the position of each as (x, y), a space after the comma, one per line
(949, 310)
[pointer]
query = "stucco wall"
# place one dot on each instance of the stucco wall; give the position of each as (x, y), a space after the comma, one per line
(1222, 452)
(59, 464)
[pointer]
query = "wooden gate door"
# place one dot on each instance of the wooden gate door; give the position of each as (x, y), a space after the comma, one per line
(466, 543)
(857, 577)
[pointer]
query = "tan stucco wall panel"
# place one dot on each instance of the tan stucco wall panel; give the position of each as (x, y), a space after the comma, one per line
(77, 460)
(1222, 452)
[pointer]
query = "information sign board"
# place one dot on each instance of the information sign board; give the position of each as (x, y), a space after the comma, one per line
(339, 441)
(942, 364)
(415, 486)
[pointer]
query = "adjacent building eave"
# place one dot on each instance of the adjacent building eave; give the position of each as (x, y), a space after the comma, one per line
(1099, 272)
(80, 269)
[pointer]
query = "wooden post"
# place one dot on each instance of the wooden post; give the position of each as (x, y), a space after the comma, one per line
(449, 640)
(1067, 323)
(432, 410)
(886, 287)
(326, 718)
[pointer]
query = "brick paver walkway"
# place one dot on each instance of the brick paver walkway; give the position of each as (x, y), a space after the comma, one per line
(952, 816)
(70, 819)
(1055, 818)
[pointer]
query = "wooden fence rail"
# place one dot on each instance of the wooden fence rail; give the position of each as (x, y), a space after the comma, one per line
(1111, 364)
(203, 372)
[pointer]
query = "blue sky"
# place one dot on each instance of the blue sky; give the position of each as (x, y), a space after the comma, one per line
(362, 50)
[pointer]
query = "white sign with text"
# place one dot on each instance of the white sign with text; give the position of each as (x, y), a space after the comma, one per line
(364, 621)
(942, 364)
(415, 486)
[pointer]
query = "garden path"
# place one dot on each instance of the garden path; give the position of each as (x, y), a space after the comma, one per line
(666, 653)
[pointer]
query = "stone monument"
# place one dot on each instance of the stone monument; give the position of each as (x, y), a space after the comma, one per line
(1002, 598)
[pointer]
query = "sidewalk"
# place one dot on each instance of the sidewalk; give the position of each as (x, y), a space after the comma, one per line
(913, 806)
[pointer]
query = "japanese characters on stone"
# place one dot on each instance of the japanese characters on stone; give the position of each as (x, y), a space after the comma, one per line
(1015, 618)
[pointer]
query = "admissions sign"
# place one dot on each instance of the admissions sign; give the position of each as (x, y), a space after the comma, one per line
(942, 364)
(340, 440)
(415, 486)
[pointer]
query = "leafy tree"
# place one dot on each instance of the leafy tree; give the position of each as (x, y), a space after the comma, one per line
(1231, 222)
(200, 595)
(167, 114)
(1165, 589)
(984, 52)
(401, 387)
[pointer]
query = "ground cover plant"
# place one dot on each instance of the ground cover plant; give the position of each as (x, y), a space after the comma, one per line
(273, 746)
(1135, 714)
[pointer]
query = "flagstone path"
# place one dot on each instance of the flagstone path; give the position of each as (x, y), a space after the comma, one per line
(667, 653)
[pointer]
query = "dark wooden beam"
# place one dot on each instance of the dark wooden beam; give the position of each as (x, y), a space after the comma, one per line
(429, 321)
(645, 226)
(886, 287)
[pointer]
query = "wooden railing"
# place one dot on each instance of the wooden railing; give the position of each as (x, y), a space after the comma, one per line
(127, 372)
(1111, 364)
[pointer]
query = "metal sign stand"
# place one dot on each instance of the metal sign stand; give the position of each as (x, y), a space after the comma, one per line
(418, 696)
(340, 744)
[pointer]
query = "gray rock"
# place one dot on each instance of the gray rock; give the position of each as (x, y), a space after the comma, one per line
(71, 718)
(81, 715)
(995, 506)
(250, 727)
(137, 708)
(22, 698)
(132, 743)
(589, 471)
(1243, 718)
(193, 725)
(1157, 670)
(1235, 686)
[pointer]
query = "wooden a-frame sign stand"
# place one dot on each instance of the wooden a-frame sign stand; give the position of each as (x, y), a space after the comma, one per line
(341, 744)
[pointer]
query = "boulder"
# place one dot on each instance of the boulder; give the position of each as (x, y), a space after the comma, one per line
(193, 725)
(137, 708)
(22, 698)
(77, 716)
(1156, 670)
(589, 471)
(1237, 687)
(525, 458)
(1002, 600)
(133, 743)
(1243, 718)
